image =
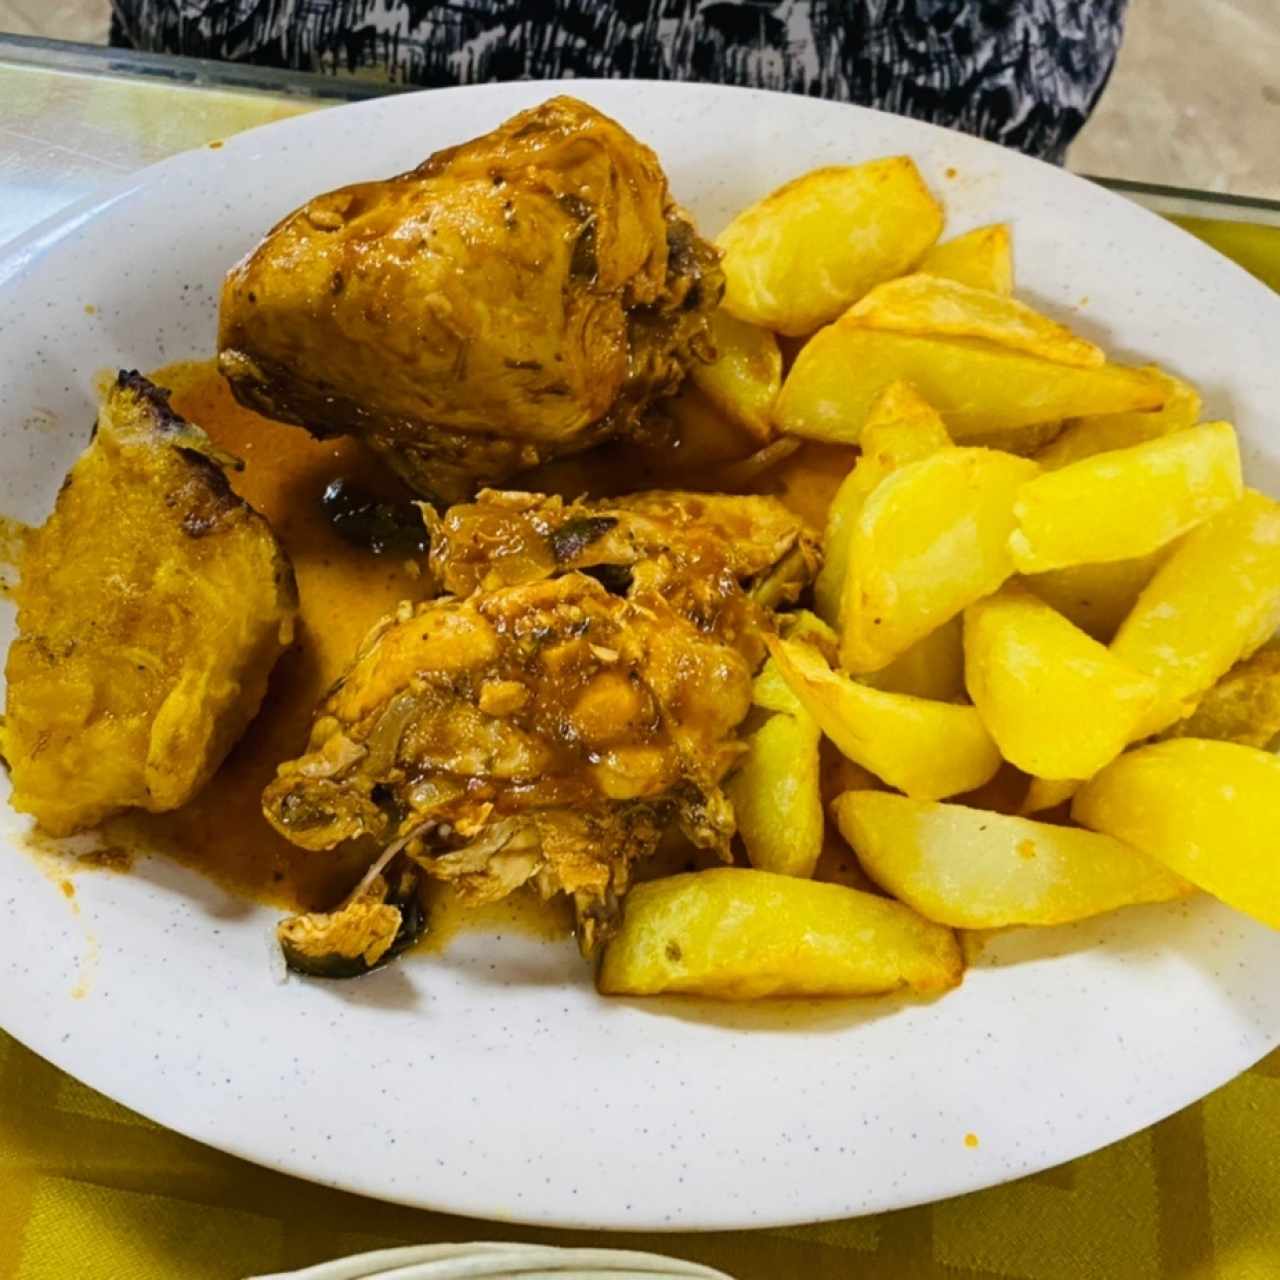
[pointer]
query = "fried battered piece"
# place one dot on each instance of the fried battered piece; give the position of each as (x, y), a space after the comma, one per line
(550, 730)
(519, 297)
(152, 605)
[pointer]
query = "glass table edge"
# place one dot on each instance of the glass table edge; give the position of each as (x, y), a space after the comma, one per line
(66, 56)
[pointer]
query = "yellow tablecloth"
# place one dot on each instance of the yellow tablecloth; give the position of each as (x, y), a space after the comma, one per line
(92, 1191)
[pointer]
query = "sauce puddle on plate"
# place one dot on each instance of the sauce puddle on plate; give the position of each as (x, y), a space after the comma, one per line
(344, 590)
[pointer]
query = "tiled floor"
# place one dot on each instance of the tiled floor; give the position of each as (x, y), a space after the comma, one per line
(1195, 99)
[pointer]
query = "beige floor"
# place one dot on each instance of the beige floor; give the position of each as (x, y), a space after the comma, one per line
(1195, 99)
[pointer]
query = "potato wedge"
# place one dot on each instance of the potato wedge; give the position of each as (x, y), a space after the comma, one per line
(1098, 597)
(770, 689)
(775, 795)
(976, 388)
(1026, 442)
(1128, 502)
(1243, 707)
(796, 259)
(1084, 437)
(931, 668)
(931, 539)
(902, 428)
(1214, 601)
(1059, 704)
(1044, 794)
(982, 258)
(932, 306)
(739, 935)
(926, 749)
(1210, 811)
(746, 376)
(973, 869)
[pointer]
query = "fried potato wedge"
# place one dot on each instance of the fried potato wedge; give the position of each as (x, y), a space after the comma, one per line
(740, 935)
(981, 258)
(706, 436)
(1059, 704)
(1243, 707)
(931, 539)
(1127, 502)
(1084, 437)
(902, 428)
(1210, 811)
(973, 869)
(1097, 597)
(931, 668)
(977, 388)
(1044, 793)
(152, 606)
(925, 749)
(1214, 601)
(744, 379)
(776, 798)
(796, 259)
(932, 306)
(1026, 442)
(770, 689)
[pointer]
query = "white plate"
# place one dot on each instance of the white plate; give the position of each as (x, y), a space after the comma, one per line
(492, 1080)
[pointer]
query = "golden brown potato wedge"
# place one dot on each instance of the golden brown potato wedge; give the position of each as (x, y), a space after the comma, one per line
(706, 436)
(902, 428)
(1210, 811)
(973, 869)
(977, 388)
(982, 258)
(1084, 437)
(931, 539)
(1059, 704)
(1214, 601)
(1243, 707)
(746, 376)
(1098, 597)
(931, 668)
(932, 306)
(1127, 502)
(1026, 442)
(799, 257)
(776, 798)
(926, 749)
(1044, 794)
(740, 935)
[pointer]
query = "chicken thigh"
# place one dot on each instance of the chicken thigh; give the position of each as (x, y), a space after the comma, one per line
(519, 297)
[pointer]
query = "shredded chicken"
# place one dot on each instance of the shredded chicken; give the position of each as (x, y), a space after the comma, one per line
(574, 696)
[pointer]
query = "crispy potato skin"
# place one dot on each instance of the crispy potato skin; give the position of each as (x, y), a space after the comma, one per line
(519, 297)
(152, 606)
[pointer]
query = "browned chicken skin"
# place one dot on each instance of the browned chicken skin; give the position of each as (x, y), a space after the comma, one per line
(576, 696)
(519, 297)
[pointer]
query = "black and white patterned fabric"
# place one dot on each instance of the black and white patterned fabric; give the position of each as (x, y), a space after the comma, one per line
(1022, 72)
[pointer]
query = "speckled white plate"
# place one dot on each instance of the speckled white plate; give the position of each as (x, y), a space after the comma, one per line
(492, 1080)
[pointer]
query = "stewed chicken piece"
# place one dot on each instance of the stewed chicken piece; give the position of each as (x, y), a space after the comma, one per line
(519, 297)
(152, 606)
(576, 695)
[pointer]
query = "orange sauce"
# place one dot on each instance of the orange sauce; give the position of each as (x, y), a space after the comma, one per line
(344, 590)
